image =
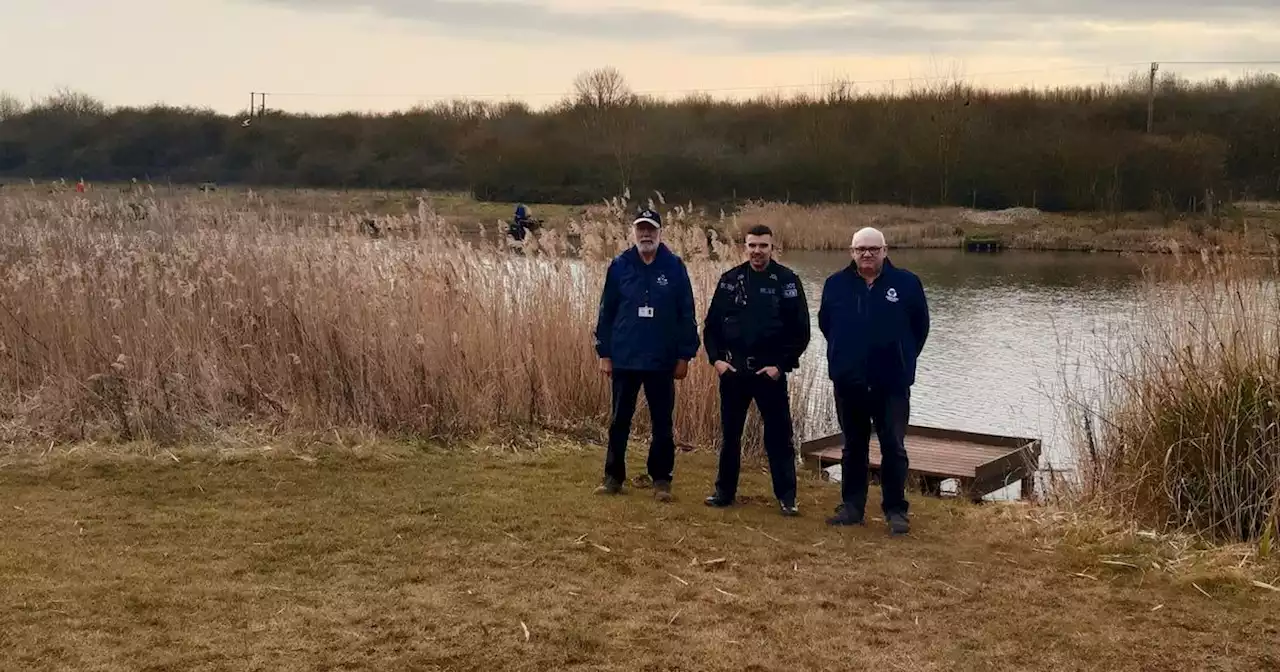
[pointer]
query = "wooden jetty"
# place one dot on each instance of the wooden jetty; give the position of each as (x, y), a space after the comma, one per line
(983, 244)
(982, 463)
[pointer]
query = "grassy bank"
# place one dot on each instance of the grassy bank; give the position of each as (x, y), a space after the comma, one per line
(299, 554)
(1250, 228)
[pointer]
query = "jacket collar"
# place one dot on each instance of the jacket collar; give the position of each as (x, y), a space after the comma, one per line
(771, 268)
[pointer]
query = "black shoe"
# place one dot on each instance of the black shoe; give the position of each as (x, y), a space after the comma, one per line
(610, 486)
(898, 524)
(717, 501)
(789, 510)
(845, 517)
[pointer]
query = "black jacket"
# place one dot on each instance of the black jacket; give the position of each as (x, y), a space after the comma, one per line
(874, 334)
(758, 314)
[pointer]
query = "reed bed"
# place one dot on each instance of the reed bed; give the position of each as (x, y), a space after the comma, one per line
(163, 319)
(1183, 431)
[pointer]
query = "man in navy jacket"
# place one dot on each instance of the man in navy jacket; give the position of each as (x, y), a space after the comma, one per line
(645, 334)
(876, 319)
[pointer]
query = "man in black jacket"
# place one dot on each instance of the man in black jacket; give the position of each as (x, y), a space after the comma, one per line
(756, 329)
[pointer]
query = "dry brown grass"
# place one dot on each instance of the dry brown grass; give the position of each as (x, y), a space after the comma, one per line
(391, 557)
(1186, 433)
(173, 318)
(830, 227)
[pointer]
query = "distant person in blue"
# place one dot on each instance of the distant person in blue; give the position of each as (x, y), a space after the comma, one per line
(521, 223)
(646, 334)
(875, 318)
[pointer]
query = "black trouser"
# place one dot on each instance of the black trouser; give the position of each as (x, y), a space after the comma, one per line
(660, 393)
(737, 390)
(858, 408)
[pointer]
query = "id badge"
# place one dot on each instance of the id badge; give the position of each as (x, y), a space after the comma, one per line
(646, 311)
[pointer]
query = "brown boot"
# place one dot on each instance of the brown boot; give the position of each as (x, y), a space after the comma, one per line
(609, 487)
(662, 491)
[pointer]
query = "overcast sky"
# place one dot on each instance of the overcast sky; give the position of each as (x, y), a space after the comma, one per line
(389, 54)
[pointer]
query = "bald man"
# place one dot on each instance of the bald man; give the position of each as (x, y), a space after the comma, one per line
(875, 318)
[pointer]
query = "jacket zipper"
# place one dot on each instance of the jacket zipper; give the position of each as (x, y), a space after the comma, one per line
(648, 285)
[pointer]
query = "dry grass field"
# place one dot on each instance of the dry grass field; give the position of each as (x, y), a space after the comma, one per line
(307, 554)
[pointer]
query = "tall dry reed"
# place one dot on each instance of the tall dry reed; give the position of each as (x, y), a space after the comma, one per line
(1185, 434)
(164, 319)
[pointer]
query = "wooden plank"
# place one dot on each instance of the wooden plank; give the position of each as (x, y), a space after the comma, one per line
(983, 462)
(967, 437)
(921, 463)
(1020, 465)
(809, 447)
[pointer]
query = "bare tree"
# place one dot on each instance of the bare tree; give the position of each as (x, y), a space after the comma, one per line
(10, 106)
(612, 114)
(602, 89)
(74, 102)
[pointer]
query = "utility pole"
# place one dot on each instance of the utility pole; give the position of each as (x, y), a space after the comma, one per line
(258, 101)
(1151, 97)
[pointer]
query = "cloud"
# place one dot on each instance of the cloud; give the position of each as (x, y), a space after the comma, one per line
(882, 28)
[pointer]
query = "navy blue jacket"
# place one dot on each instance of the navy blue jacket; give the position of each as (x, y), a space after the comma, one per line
(655, 343)
(874, 334)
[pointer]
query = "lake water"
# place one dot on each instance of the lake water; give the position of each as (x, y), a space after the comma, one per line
(1007, 330)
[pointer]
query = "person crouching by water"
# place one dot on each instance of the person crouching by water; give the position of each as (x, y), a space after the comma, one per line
(645, 335)
(875, 318)
(521, 223)
(756, 329)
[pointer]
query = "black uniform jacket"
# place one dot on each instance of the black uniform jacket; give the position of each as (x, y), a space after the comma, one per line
(758, 318)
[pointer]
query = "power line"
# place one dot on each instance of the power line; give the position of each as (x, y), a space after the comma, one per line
(890, 80)
(772, 87)
(1220, 62)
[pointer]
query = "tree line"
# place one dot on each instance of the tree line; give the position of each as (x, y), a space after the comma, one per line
(1064, 149)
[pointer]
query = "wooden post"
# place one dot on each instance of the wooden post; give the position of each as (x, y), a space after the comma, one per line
(1151, 96)
(1029, 486)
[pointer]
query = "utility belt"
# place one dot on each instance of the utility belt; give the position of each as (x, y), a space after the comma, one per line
(750, 362)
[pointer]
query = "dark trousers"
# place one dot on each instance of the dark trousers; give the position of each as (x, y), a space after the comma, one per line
(737, 390)
(660, 393)
(858, 408)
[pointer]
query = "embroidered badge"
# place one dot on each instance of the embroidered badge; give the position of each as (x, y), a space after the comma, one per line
(789, 291)
(891, 295)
